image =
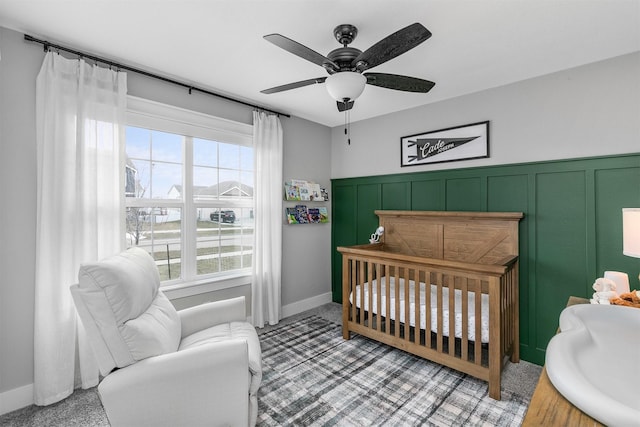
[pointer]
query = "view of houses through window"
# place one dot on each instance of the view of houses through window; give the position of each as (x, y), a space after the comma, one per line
(189, 203)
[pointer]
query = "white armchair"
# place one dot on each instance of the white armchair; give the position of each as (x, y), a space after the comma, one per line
(199, 366)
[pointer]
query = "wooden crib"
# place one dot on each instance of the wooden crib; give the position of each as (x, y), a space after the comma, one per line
(440, 285)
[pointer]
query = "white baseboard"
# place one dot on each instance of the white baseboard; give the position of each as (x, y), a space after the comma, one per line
(306, 304)
(16, 398)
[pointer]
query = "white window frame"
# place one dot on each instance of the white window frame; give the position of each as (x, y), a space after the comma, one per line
(148, 114)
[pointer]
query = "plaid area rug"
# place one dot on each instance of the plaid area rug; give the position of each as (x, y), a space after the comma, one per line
(313, 377)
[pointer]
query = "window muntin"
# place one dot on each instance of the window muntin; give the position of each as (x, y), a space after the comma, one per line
(158, 230)
(225, 244)
(157, 159)
(221, 171)
(199, 172)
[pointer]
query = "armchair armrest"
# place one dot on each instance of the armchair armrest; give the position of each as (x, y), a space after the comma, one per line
(204, 316)
(203, 385)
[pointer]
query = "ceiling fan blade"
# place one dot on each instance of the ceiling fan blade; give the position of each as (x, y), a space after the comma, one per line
(396, 82)
(301, 50)
(344, 106)
(294, 85)
(394, 45)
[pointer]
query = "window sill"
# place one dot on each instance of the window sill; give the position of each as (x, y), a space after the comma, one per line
(186, 289)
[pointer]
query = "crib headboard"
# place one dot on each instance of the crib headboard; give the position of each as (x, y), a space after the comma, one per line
(474, 237)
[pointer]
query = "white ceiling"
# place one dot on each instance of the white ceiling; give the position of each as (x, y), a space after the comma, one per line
(218, 44)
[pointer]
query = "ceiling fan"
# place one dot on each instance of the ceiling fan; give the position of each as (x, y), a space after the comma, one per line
(346, 65)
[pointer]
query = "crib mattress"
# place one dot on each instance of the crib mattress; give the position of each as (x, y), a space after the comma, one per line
(471, 321)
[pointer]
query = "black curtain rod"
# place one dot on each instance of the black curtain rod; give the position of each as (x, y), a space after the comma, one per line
(48, 45)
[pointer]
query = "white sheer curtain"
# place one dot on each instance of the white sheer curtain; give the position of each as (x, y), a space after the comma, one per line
(267, 241)
(80, 112)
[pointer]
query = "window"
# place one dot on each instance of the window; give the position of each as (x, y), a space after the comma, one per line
(188, 189)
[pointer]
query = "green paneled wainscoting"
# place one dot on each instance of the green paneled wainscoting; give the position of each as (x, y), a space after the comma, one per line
(571, 232)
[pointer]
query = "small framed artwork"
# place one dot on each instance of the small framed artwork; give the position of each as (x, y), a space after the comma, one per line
(446, 145)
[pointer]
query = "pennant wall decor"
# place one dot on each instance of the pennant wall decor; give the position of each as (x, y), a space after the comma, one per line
(446, 145)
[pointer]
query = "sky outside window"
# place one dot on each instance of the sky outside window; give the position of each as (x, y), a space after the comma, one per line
(157, 157)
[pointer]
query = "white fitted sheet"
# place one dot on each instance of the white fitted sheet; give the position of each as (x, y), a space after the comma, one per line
(471, 321)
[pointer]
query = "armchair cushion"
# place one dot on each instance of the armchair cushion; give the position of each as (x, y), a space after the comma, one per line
(133, 317)
(231, 331)
(203, 316)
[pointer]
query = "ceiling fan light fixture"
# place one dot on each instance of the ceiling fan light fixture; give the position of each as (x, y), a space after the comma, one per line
(345, 85)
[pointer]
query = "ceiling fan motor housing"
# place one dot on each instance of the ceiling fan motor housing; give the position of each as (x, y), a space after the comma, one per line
(343, 57)
(345, 33)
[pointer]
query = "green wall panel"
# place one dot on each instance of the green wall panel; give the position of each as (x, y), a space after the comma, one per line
(427, 195)
(345, 211)
(343, 231)
(368, 201)
(396, 196)
(570, 234)
(508, 193)
(463, 194)
(561, 226)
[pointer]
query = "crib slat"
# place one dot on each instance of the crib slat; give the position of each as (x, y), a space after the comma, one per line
(378, 295)
(439, 283)
(511, 309)
(478, 326)
(396, 289)
(416, 306)
(464, 342)
(405, 297)
(515, 319)
(370, 292)
(427, 308)
(352, 289)
(387, 293)
(361, 281)
(506, 307)
(515, 333)
(452, 316)
(502, 307)
(511, 313)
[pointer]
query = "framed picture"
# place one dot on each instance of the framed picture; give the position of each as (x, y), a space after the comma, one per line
(446, 145)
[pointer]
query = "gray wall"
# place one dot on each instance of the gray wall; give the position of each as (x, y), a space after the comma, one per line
(307, 156)
(591, 110)
(306, 251)
(18, 69)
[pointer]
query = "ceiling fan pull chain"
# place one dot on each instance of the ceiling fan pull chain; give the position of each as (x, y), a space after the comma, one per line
(347, 125)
